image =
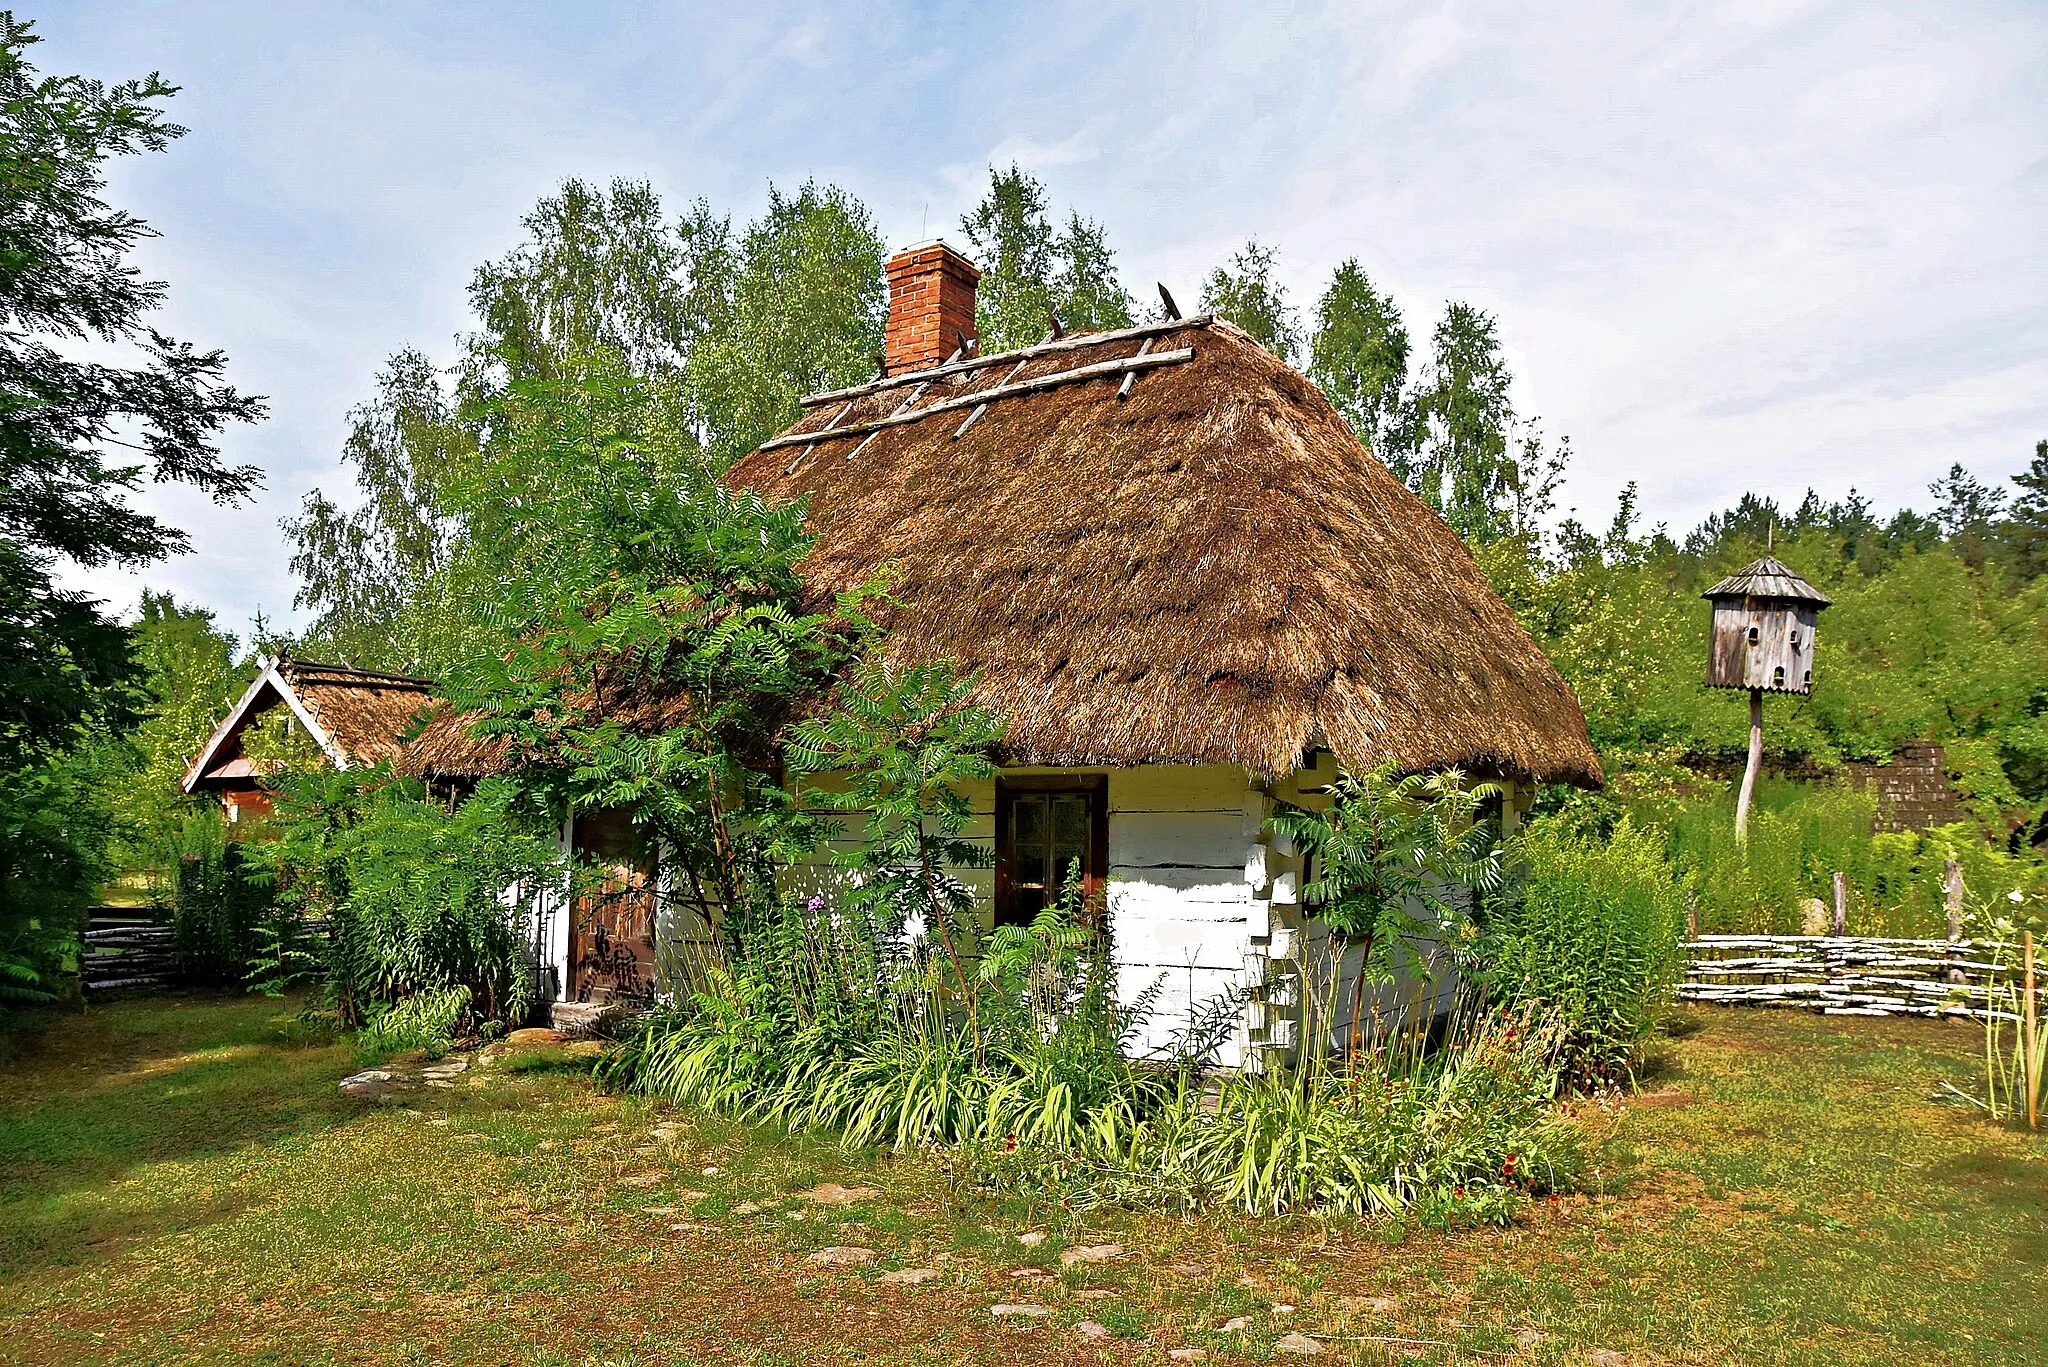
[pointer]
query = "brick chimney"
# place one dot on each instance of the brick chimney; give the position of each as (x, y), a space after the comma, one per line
(931, 302)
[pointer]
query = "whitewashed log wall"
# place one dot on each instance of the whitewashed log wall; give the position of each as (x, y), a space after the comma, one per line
(1845, 975)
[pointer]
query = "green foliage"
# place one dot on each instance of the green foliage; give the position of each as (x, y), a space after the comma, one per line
(62, 486)
(67, 285)
(1802, 834)
(219, 907)
(409, 897)
(1464, 419)
(1029, 270)
(657, 637)
(1464, 1135)
(803, 311)
(1588, 941)
(1918, 645)
(905, 739)
(1395, 858)
(55, 829)
(708, 337)
(429, 1020)
(1359, 357)
(382, 576)
(1451, 433)
(188, 680)
(1247, 293)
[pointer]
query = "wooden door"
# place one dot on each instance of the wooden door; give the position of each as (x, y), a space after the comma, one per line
(611, 933)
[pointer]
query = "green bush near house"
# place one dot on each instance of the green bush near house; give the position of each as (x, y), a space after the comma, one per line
(1589, 940)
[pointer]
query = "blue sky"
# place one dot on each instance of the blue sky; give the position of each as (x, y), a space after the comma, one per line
(1760, 245)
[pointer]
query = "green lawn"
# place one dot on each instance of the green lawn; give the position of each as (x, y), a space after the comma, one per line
(180, 1180)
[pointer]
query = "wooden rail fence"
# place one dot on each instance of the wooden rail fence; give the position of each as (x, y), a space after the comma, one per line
(1843, 975)
(126, 947)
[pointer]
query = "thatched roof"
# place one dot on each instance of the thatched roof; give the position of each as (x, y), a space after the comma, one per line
(1768, 578)
(1190, 561)
(447, 748)
(356, 716)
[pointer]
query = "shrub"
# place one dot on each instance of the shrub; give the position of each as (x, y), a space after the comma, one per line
(1590, 939)
(220, 904)
(410, 897)
(428, 1021)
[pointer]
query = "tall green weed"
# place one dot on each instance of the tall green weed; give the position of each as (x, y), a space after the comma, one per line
(1589, 938)
(1802, 834)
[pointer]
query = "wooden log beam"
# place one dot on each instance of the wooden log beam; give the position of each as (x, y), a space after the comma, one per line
(1023, 354)
(1100, 370)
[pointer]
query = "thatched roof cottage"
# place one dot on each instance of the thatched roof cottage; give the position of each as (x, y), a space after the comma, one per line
(1189, 587)
(355, 716)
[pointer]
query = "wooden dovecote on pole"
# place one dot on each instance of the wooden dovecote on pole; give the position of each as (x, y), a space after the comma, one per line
(1764, 619)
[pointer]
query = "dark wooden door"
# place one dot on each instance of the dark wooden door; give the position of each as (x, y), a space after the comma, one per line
(611, 934)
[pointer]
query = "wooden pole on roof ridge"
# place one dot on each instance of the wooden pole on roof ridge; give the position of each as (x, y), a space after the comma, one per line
(1756, 759)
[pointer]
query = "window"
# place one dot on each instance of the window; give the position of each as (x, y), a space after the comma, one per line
(1045, 826)
(1778, 677)
(1752, 635)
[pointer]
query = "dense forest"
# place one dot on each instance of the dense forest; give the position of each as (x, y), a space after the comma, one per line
(671, 342)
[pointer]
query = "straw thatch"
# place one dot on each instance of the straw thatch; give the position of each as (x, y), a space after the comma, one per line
(448, 750)
(1211, 570)
(357, 716)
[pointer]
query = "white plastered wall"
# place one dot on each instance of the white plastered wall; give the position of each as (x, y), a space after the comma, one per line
(1203, 905)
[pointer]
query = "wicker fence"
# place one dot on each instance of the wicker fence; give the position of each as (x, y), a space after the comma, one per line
(1845, 975)
(126, 947)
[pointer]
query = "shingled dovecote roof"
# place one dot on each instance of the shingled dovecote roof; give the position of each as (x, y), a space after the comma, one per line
(1769, 577)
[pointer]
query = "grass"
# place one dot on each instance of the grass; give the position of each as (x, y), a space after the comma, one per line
(180, 1181)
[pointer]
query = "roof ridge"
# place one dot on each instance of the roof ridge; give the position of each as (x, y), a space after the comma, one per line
(904, 414)
(1070, 342)
(377, 675)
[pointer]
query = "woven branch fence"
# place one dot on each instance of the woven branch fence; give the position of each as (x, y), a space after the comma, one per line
(1843, 975)
(127, 948)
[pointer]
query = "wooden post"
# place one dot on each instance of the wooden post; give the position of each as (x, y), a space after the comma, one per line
(1952, 895)
(2030, 1071)
(1756, 759)
(1841, 904)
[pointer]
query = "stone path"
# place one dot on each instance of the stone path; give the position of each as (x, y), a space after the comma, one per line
(398, 1076)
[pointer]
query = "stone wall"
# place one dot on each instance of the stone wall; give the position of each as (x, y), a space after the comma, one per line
(1913, 792)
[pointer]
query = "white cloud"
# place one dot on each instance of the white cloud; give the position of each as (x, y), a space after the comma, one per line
(1731, 246)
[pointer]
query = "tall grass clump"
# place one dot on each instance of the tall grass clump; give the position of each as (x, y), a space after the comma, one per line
(1588, 937)
(1462, 1133)
(1802, 834)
